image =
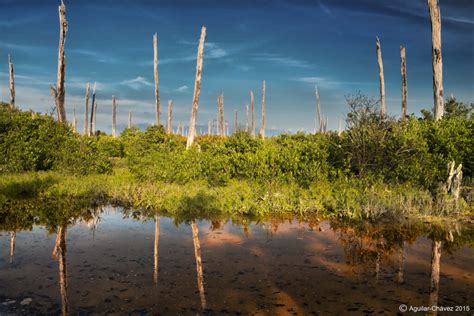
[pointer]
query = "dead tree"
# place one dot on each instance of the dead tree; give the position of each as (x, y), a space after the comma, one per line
(318, 109)
(220, 110)
(197, 88)
(155, 63)
(435, 15)
(59, 252)
(114, 117)
(403, 70)
(247, 118)
(93, 108)
(170, 117)
(453, 183)
(86, 111)
(209, 127)
(12, 82)
(12, 245)
(94, 122)
(236, 122)
(197, 255)
(60, 91)
(434, 275)
(129, 119)
(155, 248)
(74, 121)
(252, 108)
(381, 77)
(262, 125)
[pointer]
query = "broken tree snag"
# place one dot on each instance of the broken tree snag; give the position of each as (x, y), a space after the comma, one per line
(197, 88)
(93, 107)
(12, 82)
(209, 127)
(94, 125)
(381, 77)
(262, 125)
(60, 90)
(74, 121)
(170, 117)
(252, 109)
(318, 109)
(453, 183)
(129, 119)
(236, 123)
(86, 111)
(220, 110)
(114, 117)
(155, 63)
(247, 118)
(435, 15)
(54, 94)
(59, 252)
(434, 275)
(197, 255)
(403, 70)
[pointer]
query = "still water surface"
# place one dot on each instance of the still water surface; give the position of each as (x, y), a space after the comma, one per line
(120, 264)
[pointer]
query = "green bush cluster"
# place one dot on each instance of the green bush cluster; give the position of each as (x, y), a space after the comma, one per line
(33, 142)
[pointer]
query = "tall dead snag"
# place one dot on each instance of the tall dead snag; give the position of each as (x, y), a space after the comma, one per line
(60, 252)
(434, 275)
(170, 117)
(236, 122)
(197, 255)
(318, 110)
(114, 117)
(209, 127)
(93, 108)
(12, 82)
(12, 245)
(262, 125)
(381, 77)
(197, 88)
(453, 183)
(247, 118)
(60, 89)
(220, 110)
(129, 119)
(403, 70)
(155, 63)
(155, 248)
(435, 15)
(74, 121)
(86, 111)
(252, 109)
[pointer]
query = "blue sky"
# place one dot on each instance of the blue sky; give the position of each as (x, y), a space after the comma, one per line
(292, 44)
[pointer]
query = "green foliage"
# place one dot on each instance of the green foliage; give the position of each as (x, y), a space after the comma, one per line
(33, 142)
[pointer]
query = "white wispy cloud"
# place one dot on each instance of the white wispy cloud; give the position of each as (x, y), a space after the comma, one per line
(96, 56)
(137, 83)
(282, 60)
(182, 89)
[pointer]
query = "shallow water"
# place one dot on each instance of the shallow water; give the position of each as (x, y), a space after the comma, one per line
(138, 265)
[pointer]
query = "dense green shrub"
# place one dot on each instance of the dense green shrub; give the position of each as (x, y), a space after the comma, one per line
(32, 142)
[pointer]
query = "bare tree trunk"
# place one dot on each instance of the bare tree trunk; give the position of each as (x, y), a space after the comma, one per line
(155, 63)
(403, 66)
(12, 245)
(434, 275)
(86, 111)
(209, 127)
(226, 132)
(60, 252)
(60, 90)
(438, 93)
(12, 82)
(114, 117)
(252, 108)
(220, 110)
(236, 122)
(74, 121)
(197, 255)
(318, 109)
(129, 119)
(454, 181)
(247, 118)
(93, 108)
(381, 77)
(157, 236)
(94, 122)
(262, 125)
(170, 117)
(54, 94)
(197, 88)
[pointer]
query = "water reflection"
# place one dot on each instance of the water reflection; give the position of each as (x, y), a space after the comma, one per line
(275, 266)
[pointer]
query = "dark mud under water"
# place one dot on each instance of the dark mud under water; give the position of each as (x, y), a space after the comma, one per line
(120, 265)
